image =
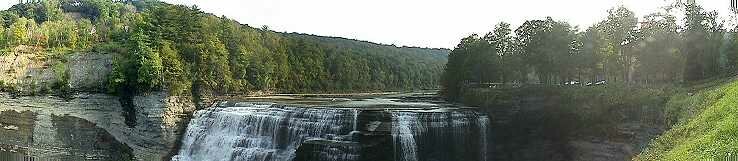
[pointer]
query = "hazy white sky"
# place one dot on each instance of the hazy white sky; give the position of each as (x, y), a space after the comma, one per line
(424, 23)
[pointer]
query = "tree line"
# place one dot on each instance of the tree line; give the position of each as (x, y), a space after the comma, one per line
(159, 46)
(619, 49)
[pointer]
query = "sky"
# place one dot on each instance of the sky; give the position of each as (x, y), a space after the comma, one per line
(422, 23)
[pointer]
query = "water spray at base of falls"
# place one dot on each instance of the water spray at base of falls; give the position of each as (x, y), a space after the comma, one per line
(270, 132)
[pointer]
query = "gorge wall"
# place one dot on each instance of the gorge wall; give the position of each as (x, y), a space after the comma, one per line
(570, 124)
(29, 72)
(160, 119)
(28, 79)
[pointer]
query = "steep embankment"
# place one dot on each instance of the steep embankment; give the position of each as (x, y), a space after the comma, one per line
(602, 123)
(647, 123)
(160, 120)
(31, 77)
(31, 71)
(706, 126)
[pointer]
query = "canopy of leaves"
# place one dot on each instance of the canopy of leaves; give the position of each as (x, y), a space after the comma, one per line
(158, 46)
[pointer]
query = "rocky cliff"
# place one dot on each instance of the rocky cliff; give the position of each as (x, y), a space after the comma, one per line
(31, 72)
(31, 77)
(554, 125)
(161, 119)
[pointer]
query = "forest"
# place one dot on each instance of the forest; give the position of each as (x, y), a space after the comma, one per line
(182, 50)
(658, 48)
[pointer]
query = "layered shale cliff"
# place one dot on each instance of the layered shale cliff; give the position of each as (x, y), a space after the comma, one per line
(29, 83)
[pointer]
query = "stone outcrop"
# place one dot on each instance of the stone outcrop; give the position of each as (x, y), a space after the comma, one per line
(533, 128)
(26, 71)
(34, 72)
(161, 119)
(89, 71)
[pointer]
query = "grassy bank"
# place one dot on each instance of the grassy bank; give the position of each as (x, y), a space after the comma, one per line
(705, 127)
(690, 122)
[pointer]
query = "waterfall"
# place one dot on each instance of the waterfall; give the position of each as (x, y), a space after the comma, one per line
(356, 119)
(403, 135)
(271, 132)
(257, 132)
(447, 136)
(482, 123)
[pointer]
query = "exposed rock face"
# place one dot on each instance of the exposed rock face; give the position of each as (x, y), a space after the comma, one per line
(26, 71)
(329, 150)
(42, 137)
(89, 71)
(32, 72)
(161, 119)
(534, 128)
(164, 117)
(24, 126)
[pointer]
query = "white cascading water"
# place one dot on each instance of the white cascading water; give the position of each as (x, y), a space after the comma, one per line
(403, 135)
(482, 123)
(269, 132)
(449, 136)
(356, 119)
(257, 132)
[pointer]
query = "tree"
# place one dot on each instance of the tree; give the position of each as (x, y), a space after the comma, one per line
(546, 46)
(21, 32)
(701, 36)
(620, 30)
(52, 10)
(461, 69)
(660, 58)
(501, 41)
(174, 74)
(86, 34)
(147, 62)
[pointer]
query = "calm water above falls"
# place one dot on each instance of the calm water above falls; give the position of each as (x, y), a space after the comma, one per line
(274, 132)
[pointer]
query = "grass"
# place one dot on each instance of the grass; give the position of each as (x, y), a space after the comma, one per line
(701, 118)
(705, 120)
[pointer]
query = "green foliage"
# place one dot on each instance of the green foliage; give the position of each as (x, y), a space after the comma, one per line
(139, 69)
(146, 62)
(19, 32)
(61, 73)
(119, 79)
(706, 126)
(157, 46)
(703, 37)
(174, 73)
(616, 49)
(7, 87)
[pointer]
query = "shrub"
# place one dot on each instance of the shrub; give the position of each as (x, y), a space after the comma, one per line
(62, 77)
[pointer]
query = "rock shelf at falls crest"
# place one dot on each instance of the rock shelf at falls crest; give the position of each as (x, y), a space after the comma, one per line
(276, 132)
